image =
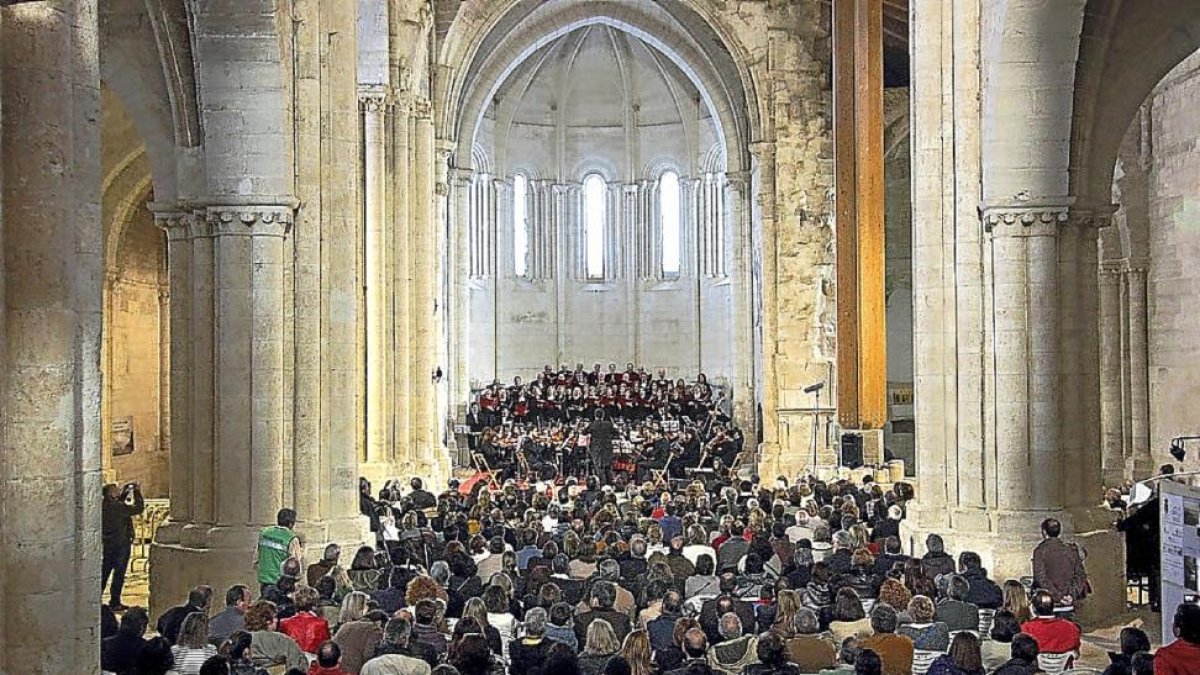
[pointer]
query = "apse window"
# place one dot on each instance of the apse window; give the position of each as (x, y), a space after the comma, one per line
(520, 225)
(594, 213)
(668, 212)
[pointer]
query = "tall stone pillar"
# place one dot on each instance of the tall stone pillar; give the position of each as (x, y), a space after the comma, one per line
(1042, 457)
(1139, 457)
(374, 104)
(1112, 446)
(459, 318)
(745, 403)
(402, 277)
(52, 285)
(423, 287)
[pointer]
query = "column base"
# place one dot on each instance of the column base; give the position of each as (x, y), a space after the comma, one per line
(185, 555)
(1005, 541)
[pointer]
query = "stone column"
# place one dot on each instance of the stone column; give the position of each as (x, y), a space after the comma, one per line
(52, 281)
(1027, 352)
(401, 349)
(1112, 446)
(374, 103)
(459, 318)
(738, 216)
(1139, 457)
(423, 285)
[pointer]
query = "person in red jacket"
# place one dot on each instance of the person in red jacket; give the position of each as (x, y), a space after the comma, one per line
(329, 660)
(305, 627)
(1054, 635)
(1181, 657)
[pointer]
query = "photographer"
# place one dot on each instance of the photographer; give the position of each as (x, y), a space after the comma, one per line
(116, 516)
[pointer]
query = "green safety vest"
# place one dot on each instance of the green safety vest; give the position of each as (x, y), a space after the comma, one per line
(273, 544)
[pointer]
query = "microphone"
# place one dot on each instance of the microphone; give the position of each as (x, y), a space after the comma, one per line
(813, 388)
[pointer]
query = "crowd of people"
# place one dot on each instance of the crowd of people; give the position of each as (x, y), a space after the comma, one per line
(587, 579)
(576, 422)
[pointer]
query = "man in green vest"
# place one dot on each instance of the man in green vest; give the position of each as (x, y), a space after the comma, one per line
(275, 545)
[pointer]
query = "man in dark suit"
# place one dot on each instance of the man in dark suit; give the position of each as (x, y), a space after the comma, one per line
(662, 629)
(604, 594)
(600, 449)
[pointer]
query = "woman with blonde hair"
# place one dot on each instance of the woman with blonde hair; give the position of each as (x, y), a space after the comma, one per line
(477, 609)
(786, 606)
(601, 644)
(192, 648)
(1016, 600)
(636, 651)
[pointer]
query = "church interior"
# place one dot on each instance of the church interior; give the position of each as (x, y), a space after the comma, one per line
(257, 250)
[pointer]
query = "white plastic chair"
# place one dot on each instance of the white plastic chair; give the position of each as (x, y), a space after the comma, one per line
(923, 659)
(986, 618)
(1054, 664)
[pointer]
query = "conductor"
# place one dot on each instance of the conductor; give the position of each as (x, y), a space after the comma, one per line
(600, 450)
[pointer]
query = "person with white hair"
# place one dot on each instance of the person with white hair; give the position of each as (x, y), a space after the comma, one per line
(735, 651)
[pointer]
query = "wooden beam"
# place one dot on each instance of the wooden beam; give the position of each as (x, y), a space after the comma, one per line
(858, 183)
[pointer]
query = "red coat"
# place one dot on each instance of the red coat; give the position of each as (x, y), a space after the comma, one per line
(315, 669)
(307, 629)
(1053, 635)
(1178, 658)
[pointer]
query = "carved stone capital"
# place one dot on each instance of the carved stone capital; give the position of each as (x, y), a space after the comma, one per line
(172, 220)
(422, 108)
(260, 220)
(1024, 219)
(441, 188)
(374, 99)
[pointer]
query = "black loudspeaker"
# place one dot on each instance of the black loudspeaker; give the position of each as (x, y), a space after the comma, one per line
(852, 450)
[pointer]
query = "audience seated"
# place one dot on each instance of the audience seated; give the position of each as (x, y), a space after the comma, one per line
(1024, 655)
(1054, 635)
(926, 633)
(1181, 657)
(728, 578)
(119, 652)
(896, 651)
(963, 659)
(953, 610)
(997, 650)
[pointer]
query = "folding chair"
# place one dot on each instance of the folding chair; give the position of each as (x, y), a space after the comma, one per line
(923, 659)
(1054, 664)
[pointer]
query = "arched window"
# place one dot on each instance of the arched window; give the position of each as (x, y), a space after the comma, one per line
(594, 191)
(520, 225)
(668, 211)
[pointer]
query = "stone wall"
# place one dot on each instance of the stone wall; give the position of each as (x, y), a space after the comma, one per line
(1174, 276)
(134, 363)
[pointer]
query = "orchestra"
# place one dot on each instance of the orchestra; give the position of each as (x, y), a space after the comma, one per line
(662, 428)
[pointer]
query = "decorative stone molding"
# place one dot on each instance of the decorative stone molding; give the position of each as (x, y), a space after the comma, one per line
(267, 220)
(174, 223)
(1093, 218)
(1024, 220)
